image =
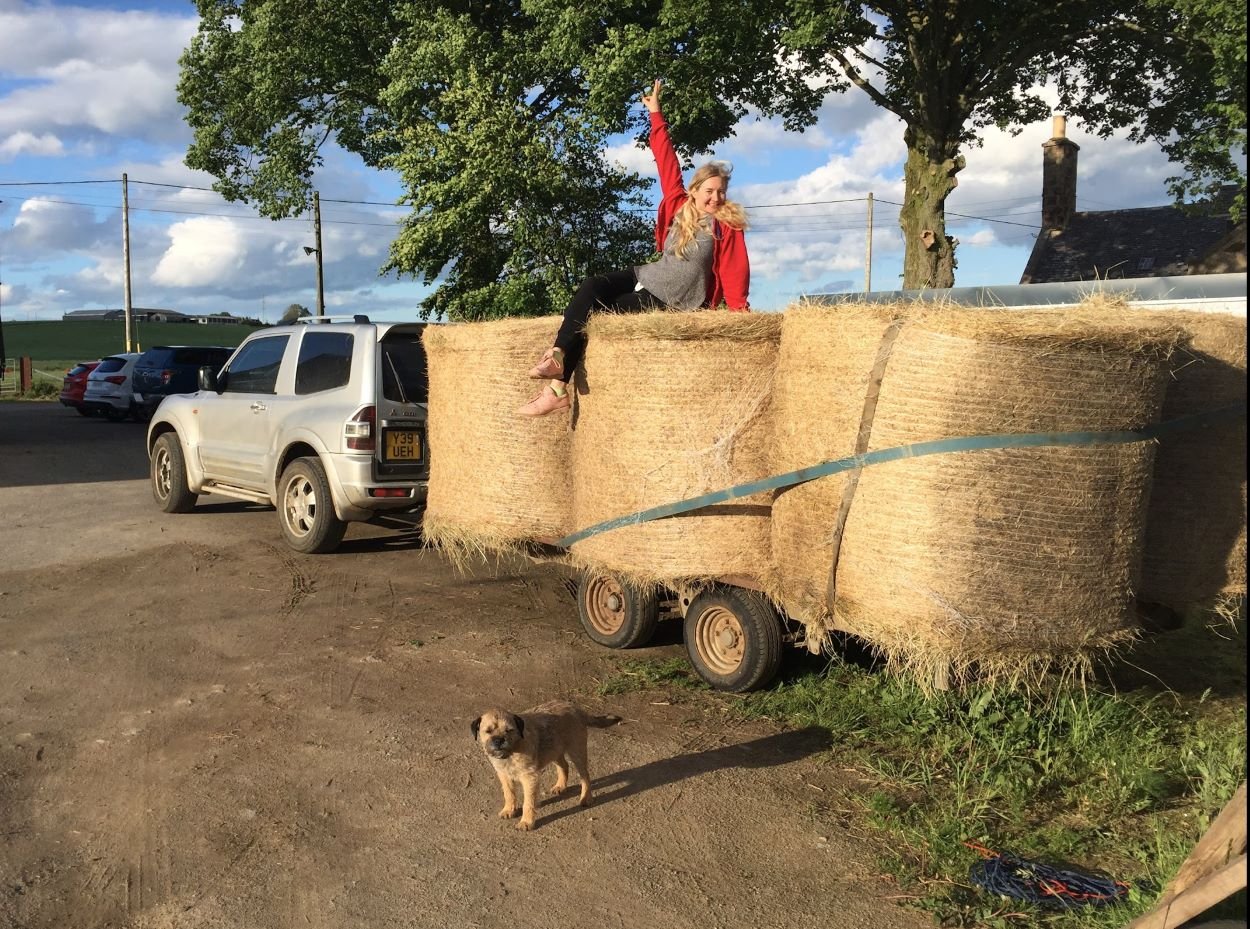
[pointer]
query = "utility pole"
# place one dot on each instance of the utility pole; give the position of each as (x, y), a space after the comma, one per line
(321, 293)
(868, 256)
(128, 309)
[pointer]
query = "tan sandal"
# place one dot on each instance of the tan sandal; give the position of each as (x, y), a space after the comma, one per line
(547, 401)
(549, 365)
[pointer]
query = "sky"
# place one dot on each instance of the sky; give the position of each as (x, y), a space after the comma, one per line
(87, 94)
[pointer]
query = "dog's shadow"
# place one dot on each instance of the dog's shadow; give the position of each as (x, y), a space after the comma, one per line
(765, 752)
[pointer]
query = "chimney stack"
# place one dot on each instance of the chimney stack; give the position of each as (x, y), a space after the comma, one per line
(1058, 177)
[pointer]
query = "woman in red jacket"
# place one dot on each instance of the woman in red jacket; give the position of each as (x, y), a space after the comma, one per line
(703, 263)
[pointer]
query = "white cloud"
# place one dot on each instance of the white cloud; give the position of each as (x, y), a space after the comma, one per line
(631, 157)
(90, 73)
(34, 39)
(27, 143)
(43, 225)
(202, 250)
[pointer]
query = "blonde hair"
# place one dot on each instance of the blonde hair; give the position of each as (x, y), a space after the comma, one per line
(689, 217)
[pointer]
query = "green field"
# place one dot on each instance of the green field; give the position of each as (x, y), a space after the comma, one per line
(87, 340)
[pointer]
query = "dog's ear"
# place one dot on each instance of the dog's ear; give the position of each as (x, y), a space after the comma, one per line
(520, 726)
(475, 726)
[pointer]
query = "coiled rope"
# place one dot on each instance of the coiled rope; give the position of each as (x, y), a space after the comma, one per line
(1055, 888)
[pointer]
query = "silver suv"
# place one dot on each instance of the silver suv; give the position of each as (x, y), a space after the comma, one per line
(324, 420)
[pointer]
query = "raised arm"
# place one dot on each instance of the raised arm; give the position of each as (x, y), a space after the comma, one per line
(666, 163)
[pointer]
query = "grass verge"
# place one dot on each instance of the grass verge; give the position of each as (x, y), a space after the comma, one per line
(1119, 775)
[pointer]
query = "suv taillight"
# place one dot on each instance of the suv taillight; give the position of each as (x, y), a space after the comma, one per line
(116, 379)
(358, 431)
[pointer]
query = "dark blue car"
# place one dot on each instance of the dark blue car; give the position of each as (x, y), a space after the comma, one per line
(171, 369)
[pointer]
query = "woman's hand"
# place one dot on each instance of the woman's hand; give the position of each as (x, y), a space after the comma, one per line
(652, 100)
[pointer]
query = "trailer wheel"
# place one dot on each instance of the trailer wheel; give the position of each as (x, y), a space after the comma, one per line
(733, 638)
(614, 612)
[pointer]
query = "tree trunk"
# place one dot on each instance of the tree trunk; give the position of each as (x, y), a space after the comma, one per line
(929, 253)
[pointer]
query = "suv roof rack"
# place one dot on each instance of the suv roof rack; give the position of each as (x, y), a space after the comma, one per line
(354, 318)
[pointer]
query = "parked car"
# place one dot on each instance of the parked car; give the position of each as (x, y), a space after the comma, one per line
(171, 369)
(75, 384)
(108, 386)
(324, 420)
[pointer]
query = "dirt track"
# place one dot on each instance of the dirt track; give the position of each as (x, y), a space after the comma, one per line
(200, 729)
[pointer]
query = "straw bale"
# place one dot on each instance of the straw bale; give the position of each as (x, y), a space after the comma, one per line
(951, 559)
(497, 480)
(671, 406)
(824, 362)
(1195, 550)
(1012, 557)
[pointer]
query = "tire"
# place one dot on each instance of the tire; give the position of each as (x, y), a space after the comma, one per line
(168, 470)
(733, 638)
(306, 508)
(615, 613)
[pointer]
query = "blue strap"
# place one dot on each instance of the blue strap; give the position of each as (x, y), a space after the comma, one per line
(917, 450)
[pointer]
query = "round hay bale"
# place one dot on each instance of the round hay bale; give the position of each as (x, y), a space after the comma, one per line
(824, 362)
(1195, 550)
(671, 406)
(497, 480)
(1008, 560)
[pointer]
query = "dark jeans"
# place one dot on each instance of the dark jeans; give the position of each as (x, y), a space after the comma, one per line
(613, 292)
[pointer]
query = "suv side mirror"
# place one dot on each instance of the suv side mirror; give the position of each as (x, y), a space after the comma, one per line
(206, 379)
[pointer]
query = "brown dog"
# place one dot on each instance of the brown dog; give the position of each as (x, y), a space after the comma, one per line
(521, 746)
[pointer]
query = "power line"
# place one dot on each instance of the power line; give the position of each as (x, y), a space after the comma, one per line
(53, 183)
(982, 218)
(762, 206)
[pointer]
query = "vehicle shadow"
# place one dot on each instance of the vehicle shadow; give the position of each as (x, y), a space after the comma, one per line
(765, 752)
(388, 532)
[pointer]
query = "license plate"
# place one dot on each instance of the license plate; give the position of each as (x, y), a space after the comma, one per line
(403, 445)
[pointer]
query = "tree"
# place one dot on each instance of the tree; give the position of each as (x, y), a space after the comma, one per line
(1204, 128)
(293, 312)
(950, 68)
(494, 112)
(512, 201)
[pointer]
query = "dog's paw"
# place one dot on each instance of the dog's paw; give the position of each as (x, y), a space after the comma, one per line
(507, 812)
(558, 790)
(525, 825)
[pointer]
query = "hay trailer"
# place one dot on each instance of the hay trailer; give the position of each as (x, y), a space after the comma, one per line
(733, 632)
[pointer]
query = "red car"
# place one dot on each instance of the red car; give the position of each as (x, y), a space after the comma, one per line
(74, 385)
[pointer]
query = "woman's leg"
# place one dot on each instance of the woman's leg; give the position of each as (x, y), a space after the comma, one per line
(614, 291)
(598, 292)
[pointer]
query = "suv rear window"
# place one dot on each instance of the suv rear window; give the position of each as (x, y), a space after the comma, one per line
(201, 355)
(404, 375)
(325, 361)
(155, 358)
(109, 365)
(76, 370)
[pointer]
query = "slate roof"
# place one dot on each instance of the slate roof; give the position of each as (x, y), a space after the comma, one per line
(1157, 241)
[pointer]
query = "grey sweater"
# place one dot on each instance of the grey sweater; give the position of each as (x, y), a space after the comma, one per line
(680, 282)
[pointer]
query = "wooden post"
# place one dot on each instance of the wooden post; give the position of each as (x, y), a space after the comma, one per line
(1215, 869)
(1199, 898)
(128, 309)
(868, 255)
(25, 374)
(321, 293)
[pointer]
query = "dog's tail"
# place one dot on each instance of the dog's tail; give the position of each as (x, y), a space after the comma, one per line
(601, 722)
